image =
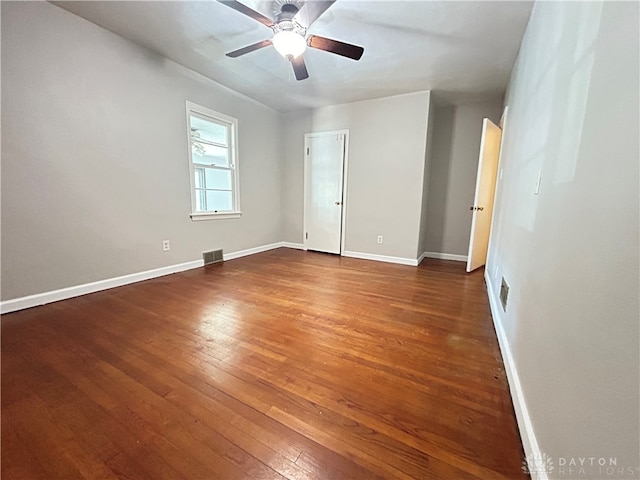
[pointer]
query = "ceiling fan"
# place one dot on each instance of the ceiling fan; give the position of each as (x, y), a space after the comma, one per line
(290, 37)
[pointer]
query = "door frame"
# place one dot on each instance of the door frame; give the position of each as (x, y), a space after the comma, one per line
(345, 171)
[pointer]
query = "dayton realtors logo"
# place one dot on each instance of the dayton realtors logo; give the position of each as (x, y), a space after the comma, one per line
(537, 464)
(541, 465)
(598, 466)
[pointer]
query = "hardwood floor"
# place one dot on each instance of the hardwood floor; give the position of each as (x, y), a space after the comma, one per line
(285, 364)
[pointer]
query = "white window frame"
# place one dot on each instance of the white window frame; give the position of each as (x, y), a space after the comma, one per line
(233, 162)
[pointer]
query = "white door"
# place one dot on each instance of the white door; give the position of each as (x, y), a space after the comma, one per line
(323, 188)
(485, 189)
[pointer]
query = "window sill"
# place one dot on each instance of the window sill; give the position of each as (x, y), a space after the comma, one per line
(198, 217)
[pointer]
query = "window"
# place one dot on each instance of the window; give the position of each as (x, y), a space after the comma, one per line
(213, 164)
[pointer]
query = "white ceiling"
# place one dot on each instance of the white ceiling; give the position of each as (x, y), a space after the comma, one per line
(463, 50)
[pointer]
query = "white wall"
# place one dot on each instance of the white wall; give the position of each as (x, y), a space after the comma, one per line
(570, 254)
(94, 156)
(454, 166)
(386, 166)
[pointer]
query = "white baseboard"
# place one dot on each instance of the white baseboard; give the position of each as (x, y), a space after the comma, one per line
(444, 256)
(77, 290)
(381, 258)
(21, 303)
(527, 434)
(252, 251)
(297, 246)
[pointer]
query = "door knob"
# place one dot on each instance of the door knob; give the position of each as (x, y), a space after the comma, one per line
(338, 203)
(476, 208)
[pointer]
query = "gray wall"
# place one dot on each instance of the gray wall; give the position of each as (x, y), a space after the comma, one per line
(296, 124)
(426, 179)
(94, 156)
(570, 254)
(386, 166)
(454, 166)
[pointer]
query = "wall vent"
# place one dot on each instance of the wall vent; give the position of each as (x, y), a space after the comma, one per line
(214, 256)
(504, 293)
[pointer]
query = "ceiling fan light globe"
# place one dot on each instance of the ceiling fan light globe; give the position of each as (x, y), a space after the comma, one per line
(289, 44)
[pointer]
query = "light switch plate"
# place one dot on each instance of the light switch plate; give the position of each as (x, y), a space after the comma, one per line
(537, 190)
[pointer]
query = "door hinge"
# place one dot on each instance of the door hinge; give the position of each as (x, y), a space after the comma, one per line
(306, 236)
(307, 150)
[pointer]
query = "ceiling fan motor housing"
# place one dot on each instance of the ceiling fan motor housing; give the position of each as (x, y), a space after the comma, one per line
(284, 22)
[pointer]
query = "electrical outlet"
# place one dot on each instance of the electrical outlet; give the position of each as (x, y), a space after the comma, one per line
(379, 238)
(504, 294)
(166, 246)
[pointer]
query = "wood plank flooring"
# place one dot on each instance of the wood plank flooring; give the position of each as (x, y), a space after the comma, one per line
(285, 364)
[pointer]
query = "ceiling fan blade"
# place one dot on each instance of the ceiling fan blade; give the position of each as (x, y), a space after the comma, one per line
(299, 68)
(311, 11)
(249, 12)
(249, 48)
(334, 46)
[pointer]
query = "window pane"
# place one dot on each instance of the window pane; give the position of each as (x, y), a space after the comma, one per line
(207, 130)
(217, 179)
(209, 154)
(219, 201)
(201, 201)
(199, 177)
